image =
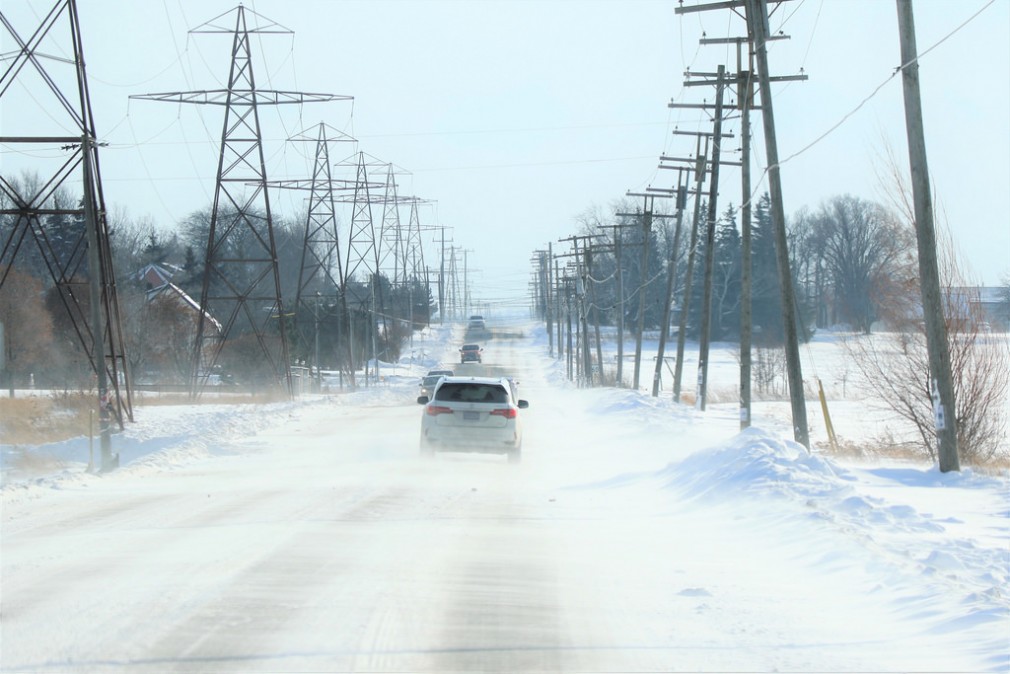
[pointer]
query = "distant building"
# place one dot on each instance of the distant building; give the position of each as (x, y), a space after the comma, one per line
(157, 279)
(991, 302)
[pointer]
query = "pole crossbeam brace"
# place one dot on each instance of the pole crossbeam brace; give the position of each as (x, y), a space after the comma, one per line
(41, 140)
(709, 134)
(745, 80)
(738, 40)
(691, 160)
(240, 97)
(725, 4)
(75, 248)
(648, 195)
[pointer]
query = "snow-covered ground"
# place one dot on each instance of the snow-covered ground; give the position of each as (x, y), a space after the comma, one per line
(636, 535)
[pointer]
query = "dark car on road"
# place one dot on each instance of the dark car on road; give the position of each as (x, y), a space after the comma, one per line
(470, 353)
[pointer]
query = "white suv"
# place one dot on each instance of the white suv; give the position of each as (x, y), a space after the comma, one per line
(472, 414)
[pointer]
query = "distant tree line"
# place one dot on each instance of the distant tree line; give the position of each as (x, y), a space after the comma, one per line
(851, 259)
(854, 267)
(160, 327)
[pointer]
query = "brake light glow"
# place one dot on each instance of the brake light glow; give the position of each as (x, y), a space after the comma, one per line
(435, 410)
(507, 412)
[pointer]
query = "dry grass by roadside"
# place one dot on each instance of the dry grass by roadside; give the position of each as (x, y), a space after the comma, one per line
(36, 420)
(872, 449)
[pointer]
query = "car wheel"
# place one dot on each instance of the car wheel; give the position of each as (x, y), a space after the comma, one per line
(427, 449)
(516, 454)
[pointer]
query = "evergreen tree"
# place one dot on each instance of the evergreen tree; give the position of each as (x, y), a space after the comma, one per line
(726, 278)
(766, 291)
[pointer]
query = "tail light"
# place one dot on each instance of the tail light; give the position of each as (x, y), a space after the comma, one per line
(507, 412)
(435, 410)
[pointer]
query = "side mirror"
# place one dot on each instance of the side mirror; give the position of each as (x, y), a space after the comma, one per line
(422, 400)
(522, 404)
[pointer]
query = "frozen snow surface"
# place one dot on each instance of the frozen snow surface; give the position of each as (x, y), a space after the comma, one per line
(636, 535)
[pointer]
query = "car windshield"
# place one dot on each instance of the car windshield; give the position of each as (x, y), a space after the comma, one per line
(428, 382)
(472, 392)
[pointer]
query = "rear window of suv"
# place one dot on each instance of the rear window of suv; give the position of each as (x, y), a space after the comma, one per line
(472, 393)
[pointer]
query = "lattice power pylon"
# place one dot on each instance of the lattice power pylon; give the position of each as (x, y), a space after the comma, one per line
(243, 316)
(413, 256)
(71, 239)
(391, 237)
(413, 251)
(362, 247)
(321, 273)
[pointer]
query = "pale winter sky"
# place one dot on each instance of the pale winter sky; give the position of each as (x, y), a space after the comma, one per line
(513, 118)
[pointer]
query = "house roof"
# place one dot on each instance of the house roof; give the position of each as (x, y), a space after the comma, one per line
(172, 289)
(157, 275)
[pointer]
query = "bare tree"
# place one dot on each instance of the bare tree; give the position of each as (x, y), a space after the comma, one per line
(865, 254)
(895, 367)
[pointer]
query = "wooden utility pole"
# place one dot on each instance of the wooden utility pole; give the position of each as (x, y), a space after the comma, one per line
(558, 295)
(757, 18)
(591, 297)
(713, 196)
(744, 102)
(744, 81)
(700, 170)
(671, 277)
(584, 294)
(441, 281)
(642, 285)
(941, 382)
(618, 248)
(647, 215)
(547, 299)
(568, 317)
(620, 311)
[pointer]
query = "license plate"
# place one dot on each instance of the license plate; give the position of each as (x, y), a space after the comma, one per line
(471, 416)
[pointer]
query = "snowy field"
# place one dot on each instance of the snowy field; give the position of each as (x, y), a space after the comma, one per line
(636, 535)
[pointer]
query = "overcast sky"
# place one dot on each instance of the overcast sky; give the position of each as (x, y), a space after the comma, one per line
(513, 118)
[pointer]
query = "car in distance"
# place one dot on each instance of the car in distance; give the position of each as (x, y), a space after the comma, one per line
(469, 353)
(429, 380)
(472, 414)
(476, 322)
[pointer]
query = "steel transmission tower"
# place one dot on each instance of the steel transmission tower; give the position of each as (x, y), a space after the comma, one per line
(362, 247)
(413, 254)
(321, 273)
(391, 234)
(242, 308)
(362, 257)
(413, 250)
(71, 239)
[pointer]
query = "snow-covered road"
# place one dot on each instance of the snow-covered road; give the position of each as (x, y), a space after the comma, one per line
(634, 536)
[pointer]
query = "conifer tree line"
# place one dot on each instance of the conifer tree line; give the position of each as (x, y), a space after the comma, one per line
(852, 261)
(159, 330)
